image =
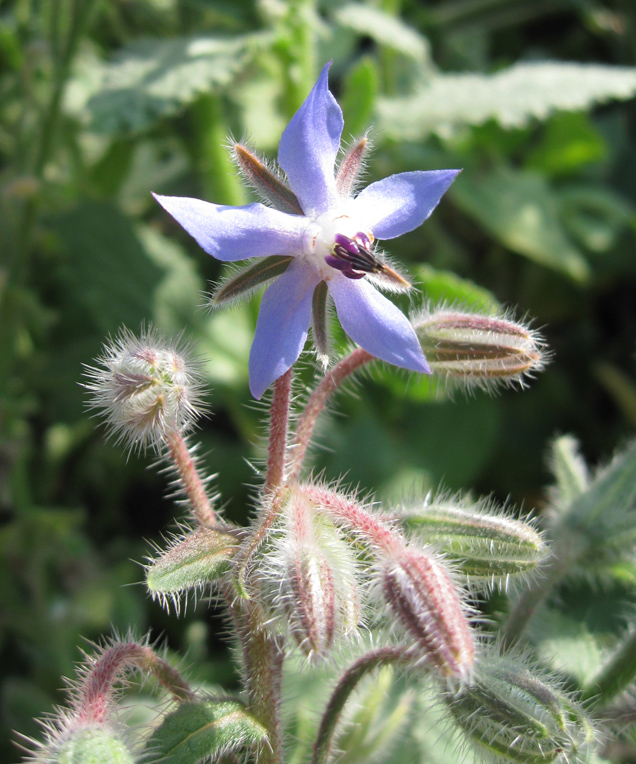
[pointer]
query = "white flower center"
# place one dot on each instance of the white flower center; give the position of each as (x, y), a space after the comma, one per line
(320, 239)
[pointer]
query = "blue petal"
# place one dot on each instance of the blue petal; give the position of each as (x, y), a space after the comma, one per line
(236, 233)
(400, 203)
(376, 324)
(282, 326)
(309, 146)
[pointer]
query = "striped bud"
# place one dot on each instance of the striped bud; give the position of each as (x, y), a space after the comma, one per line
(483, 544)
(420, 592)
(479, 350)
(513, 714)
(311, 575)
(146, 387)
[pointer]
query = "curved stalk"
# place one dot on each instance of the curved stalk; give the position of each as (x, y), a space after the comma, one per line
(382, 657)
(329, 383)
(615, 676)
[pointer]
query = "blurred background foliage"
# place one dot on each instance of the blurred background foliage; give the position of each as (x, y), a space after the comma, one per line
(103, 101)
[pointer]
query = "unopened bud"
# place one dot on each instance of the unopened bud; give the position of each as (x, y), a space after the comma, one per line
(479, 350)
(311, 574)
(93, 745)
(483, 544)
(146, 387)
(426, 602)
(515, 715)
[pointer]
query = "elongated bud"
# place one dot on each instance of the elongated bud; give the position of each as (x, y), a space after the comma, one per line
(420, 592)
(194, 561)
(515, 715)
(479, 350)
(146, 388)
(311, 577)
(483, 544)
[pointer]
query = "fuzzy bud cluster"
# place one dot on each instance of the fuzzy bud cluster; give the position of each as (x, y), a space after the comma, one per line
(479, 350)
(412, 582)
(310, 577)
(146, 387)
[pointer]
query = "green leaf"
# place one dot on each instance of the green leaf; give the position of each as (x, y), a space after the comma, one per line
(201, 731)
(359, 92)
(384, 29)
(153, 79)
(569, 469)
(512, 97)
(198, 559)
(444, 287)
(107, 269)
(521, 211)
(568, 143)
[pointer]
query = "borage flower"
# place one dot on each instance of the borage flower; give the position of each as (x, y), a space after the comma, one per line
(319, 240)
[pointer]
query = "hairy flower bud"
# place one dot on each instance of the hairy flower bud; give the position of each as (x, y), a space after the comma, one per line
(93, 745)
(483, 543)
(426, 602)
(310, 572)
(146, 387)
(479, 350)
(516, 715)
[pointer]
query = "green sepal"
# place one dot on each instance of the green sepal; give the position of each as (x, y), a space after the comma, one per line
(265, 182)
(197, 732)
(319, 327)
(93, 745)
(245, 282)
(491, 546)
(513, 714)
(199, 558)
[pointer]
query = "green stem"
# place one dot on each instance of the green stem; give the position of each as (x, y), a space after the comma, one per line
(384, 656)
(220, 178)
(615, 676)
(263, 664)
(298, 52)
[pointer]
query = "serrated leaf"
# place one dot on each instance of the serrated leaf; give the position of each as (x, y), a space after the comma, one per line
(521, 211)
(384, 29)
(513, 97)
(198, 559)
(201, 731)
(153, 79)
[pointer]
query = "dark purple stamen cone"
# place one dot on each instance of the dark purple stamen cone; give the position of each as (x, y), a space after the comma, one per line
(421, 593)
(354, 257)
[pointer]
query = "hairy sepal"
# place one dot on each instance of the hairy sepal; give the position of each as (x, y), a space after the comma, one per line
(265, 182)
(96, 744)
(241, 285)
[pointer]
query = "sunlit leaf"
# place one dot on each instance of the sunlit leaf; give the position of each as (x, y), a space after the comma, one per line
(521, 211)
(202, 731)
(384, 29)
(152, 79)
(512, 97)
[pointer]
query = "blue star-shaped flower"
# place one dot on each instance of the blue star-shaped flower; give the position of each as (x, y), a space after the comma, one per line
(331, 242)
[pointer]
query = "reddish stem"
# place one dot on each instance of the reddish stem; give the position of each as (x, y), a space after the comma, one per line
(279, 422)
(329, 383)
(95, 700)
(191, 481)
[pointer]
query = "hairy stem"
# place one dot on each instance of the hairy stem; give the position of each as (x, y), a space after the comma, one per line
(329, 383)
(191, 481)
(615, 676)
(348, 682)
(263, 665)
(279, 423)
